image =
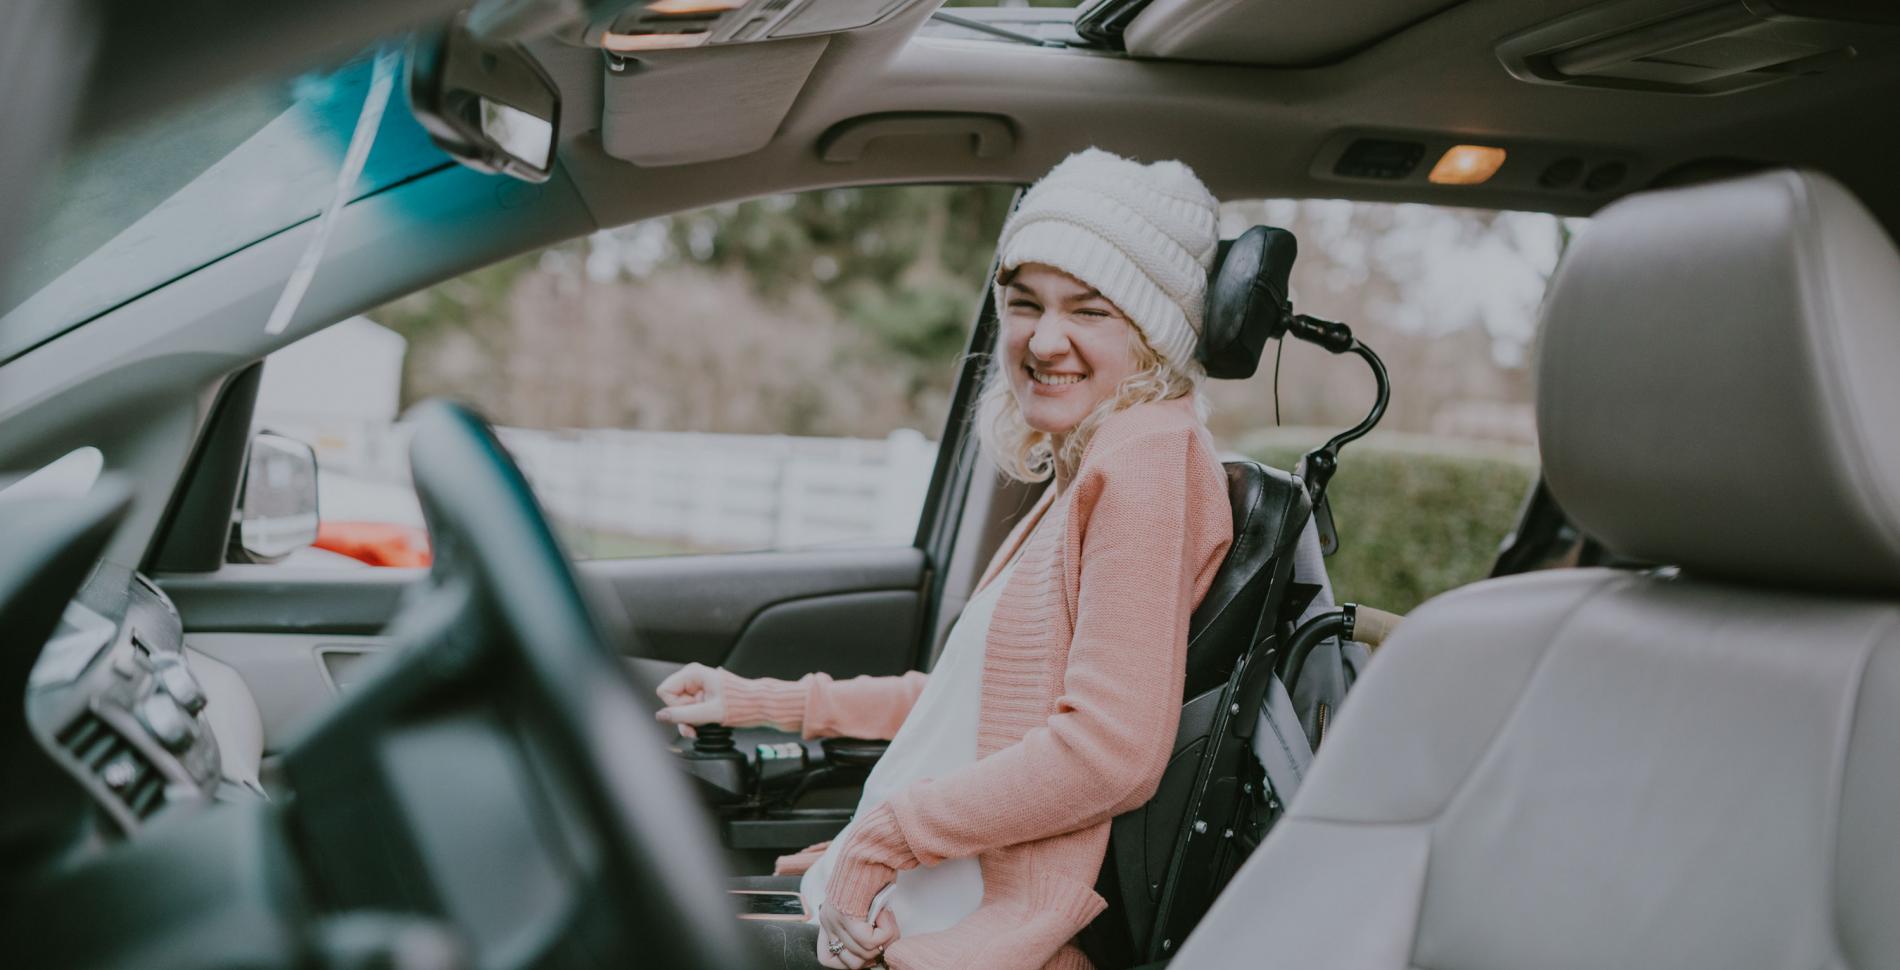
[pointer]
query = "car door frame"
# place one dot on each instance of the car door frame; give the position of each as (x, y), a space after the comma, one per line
(333, 615)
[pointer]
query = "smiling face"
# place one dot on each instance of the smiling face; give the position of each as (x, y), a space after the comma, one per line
(1066, 346)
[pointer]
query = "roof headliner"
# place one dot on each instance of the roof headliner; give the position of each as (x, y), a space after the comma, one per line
(1249, 131)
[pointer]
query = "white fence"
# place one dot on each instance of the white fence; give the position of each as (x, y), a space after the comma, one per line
(698, 491)
(730, 491)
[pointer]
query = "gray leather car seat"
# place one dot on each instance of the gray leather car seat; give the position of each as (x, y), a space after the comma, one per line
(1610, 770)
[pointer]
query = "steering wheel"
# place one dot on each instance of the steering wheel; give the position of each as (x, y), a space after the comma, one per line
(518, 760)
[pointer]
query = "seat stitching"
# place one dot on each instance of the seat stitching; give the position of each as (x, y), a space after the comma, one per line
(1557, 630)
(1491, 746)
(1612, 582)
(1833, 818)
(1617, 581)
(1851, 711)
(1814, 278)
(1418, 913)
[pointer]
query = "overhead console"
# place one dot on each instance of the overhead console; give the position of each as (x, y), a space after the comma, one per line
(1562, 173)
(1711, 48)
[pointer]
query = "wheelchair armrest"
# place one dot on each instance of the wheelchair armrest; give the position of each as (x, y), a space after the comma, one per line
(1372, 626)
(854, 752)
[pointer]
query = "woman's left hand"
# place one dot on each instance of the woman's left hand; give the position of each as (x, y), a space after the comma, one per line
(861, 944)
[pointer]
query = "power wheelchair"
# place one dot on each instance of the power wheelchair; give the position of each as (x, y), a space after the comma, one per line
(1167, 860)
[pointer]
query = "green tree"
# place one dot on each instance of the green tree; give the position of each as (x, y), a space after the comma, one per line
(897, 262)
(879, 284)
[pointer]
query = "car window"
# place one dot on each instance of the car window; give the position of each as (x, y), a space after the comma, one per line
(1448, 298)
(772, 374)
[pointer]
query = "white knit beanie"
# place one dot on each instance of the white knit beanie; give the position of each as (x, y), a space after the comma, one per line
(1142, 235)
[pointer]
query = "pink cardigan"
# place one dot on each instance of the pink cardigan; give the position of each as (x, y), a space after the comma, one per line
(1082, 679)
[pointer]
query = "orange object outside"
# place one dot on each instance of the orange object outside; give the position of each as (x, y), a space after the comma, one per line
(376, 543)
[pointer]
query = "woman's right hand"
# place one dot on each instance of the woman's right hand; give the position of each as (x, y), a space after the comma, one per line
(693, 694)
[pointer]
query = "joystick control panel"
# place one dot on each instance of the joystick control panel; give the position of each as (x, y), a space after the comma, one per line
(718, 764)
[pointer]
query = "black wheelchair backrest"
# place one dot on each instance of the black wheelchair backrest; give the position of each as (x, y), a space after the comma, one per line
(1139, 876)
(1244, 611)
(1269, 511)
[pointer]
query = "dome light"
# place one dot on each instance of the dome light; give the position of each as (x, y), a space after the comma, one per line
(1466, 165)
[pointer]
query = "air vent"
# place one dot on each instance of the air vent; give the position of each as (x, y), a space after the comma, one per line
(1715, 48)
(118, 766)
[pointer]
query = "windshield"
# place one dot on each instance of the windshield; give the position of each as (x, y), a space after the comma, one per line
(134, 211)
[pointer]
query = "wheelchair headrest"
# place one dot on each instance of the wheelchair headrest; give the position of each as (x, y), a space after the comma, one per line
(1716, 383)
(1247, 302)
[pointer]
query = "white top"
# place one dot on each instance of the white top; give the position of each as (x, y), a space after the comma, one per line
(938, 736)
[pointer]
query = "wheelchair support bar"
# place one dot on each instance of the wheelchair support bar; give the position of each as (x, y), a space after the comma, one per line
(1311, 634)
(1335, 337)
(1317, 468)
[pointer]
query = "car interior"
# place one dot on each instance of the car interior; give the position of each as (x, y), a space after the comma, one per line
(1670, 757)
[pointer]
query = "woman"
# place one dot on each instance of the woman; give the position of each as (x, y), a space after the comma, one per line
(1054, 705)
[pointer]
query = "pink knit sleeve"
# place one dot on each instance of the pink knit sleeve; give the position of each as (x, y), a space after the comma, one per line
(862, 707)
(819, 707)
(763, 701)
(1155, 522)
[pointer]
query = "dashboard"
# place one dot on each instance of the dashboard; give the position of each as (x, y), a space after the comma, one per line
(478, 753)
(114, 700)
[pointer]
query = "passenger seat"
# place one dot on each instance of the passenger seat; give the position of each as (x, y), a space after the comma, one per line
(1695, 768)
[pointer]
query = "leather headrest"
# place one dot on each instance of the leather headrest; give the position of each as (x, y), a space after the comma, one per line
(1719, 383)
(1246, 301)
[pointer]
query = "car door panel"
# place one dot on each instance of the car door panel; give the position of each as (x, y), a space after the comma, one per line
(846, 633)
(298, 636)
(291, 676)
(243, 598)
(778, 614)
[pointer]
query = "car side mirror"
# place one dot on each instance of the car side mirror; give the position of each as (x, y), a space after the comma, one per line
(277, 509)
(489, 105)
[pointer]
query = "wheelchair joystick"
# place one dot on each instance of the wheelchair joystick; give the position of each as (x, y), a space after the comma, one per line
(721, 769)
(713, 739)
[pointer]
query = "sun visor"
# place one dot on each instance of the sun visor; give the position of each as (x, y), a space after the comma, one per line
(633, 26)
(699, 105)
(1275, 33)
(700, 80)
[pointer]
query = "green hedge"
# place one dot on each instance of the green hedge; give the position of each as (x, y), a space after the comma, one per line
(1416, 516)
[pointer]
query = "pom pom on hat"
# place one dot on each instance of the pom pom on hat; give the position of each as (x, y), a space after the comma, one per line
(1143, 236)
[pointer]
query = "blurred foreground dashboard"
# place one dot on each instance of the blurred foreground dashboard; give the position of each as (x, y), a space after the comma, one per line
(115, 701)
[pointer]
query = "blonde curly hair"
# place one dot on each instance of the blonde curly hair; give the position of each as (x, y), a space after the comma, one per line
(1028, 455)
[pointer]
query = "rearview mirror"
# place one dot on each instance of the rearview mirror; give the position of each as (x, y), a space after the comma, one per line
(489, 105)
(277, 513)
